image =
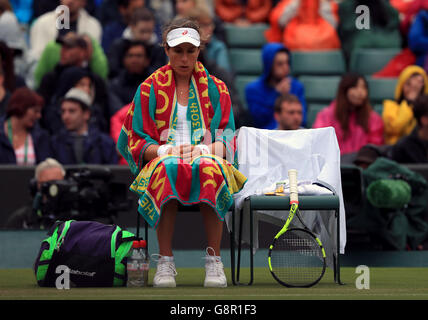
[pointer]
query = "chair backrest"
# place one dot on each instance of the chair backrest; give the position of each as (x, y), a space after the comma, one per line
(251, 36)
(241, 82)
(246, 61)
(313, 110)
(320, 89)
(369, 61)
(330, 62)
(381, 89)
(378, 108)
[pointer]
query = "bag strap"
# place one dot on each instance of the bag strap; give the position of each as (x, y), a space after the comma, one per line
(63, 233)
(117, 240)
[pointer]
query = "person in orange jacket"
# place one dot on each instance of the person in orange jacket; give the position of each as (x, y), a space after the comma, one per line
(236, 11)
(305, 25)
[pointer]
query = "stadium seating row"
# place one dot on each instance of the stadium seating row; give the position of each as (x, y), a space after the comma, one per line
(319, 71)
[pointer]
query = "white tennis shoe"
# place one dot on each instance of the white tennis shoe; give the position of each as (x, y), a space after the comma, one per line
(165, 273)
(214, 272)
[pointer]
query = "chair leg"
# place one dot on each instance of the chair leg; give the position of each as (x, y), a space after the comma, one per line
(238, 270)
(251, 248)
(337, 258)
(232, 248)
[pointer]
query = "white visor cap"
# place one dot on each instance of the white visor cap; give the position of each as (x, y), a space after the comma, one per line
(182, 35)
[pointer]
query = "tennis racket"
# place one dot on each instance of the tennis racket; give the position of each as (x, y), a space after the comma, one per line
(296, 256)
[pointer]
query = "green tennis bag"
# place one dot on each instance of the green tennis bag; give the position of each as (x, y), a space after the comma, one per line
(93, 253)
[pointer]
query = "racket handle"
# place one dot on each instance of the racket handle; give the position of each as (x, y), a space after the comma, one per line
(292, 178)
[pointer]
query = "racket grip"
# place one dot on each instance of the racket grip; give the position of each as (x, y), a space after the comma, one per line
(292, 178)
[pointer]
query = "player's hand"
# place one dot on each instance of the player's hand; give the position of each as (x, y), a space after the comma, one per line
(185, 151)
(180, 150)
(190, 156)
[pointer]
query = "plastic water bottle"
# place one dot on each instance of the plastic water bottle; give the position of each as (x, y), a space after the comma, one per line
(135, 266)
(146, 262)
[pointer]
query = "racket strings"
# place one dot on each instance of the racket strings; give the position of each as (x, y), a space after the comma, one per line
(297, 258)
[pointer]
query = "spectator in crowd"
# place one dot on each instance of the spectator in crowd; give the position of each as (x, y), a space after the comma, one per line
(44, 29)
(275, 80)
(397, 114)
(23, 10)
(288, 112)
(142, 28)
(22, 141)
(243, 12)
(71, 49)
(12, 35)
(78, 143)
(114, 29)
(104, 103)
(4, 94)
(215, 49)
(11, 79)
(184, 7)
(418, 37)
(116, 123)
(164, 11)
(351, 115)
(414, 147)
(27, 216)
(368, 155)
(136, 69)
(384, 28)
(304, 25)
(407, 12)
(41, 7)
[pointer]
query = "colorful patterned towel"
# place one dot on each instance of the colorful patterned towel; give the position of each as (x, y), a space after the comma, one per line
(207, 179)
(152, 119)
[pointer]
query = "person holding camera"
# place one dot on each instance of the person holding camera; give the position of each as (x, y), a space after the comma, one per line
(27, 216)
(78, 143)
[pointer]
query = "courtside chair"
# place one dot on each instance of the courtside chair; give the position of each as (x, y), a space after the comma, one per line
(245, 37)
(369, 61)
(324, 63)
(315, 154)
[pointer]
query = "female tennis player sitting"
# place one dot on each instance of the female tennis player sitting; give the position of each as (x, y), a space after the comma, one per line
(178, 132)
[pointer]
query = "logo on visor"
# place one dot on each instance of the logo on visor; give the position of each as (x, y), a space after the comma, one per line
(185, 32)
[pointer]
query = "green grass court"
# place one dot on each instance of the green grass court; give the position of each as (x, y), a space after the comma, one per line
(385, 284)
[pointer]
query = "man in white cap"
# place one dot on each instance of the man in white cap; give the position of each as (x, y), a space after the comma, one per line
(50, 25)
(79, 143)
